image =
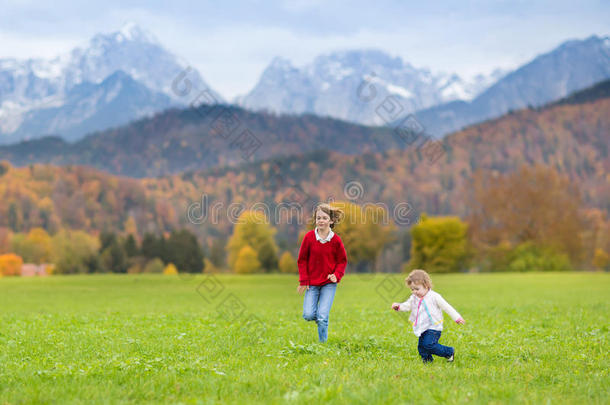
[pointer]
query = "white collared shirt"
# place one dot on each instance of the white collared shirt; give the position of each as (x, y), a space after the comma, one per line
(324, 240)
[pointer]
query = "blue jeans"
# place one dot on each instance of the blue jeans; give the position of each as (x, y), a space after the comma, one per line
(428, 346)
(316, 306)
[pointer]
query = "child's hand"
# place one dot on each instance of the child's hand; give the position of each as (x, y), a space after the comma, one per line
(302, 288)
(332, 278)
(461, 321)
(396, 306)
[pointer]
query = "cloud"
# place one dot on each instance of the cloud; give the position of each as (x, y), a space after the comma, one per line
(20, 46)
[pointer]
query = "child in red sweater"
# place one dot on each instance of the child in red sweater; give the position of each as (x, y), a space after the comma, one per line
(322, 261)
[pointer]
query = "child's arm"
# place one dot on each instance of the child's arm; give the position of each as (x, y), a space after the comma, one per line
(302, 263)
(341, 260)
(404, 307)
(449, 309)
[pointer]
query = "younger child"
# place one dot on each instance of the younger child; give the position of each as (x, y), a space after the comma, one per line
(425, 306)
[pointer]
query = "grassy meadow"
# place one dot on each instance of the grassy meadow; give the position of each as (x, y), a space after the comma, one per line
(528, 338)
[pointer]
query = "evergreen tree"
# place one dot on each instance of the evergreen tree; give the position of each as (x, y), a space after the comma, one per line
(217, 252)
(153, 247)
(112, 254)
(130, 246)
(184, 252)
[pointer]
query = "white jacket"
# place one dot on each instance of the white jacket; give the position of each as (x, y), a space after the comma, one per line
(426, 313)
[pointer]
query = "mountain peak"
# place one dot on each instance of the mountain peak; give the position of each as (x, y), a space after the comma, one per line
(279, 63)
(361, 57)
(331, 85)
(129, 58)
(131, 31)
(592, 41)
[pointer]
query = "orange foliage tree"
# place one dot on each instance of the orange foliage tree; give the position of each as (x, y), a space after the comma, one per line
(532, 205)
(10, 264)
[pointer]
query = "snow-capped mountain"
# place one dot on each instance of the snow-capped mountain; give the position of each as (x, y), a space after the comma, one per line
(572, 66)
(32, 88)
(355, 86)
(89, 107)
(351, 85)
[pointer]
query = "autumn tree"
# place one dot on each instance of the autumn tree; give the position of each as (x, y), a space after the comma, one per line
(10, 264)
(130, 226)
(35, 247)
(532, 205)
(247, 261)
(74, 252)
(601, 260)
(46, 212)
(170, 270)
(288, 264)
(530, 257)
(596, 237)
(252, 229)
(439, 244)
(154, 266)
(5, 238)
(209, 267)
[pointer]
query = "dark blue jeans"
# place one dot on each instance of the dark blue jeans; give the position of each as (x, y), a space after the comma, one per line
(428, 346)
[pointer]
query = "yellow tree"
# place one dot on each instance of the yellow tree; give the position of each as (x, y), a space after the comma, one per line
(596, 236)
(40, 238)
(170, 270)
(35, 247)
(247, 261)
(288, 264)
(252, 229)
(209, 267)
(131, 227)
(439, 244)
(73, 251)
(48, 217)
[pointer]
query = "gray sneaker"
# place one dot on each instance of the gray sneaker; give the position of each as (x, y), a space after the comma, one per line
(450, 358)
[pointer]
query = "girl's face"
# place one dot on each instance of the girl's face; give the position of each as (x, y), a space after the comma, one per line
(322, 220)
(418, 289)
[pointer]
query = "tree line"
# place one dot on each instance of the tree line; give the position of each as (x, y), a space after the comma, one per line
(529, 219)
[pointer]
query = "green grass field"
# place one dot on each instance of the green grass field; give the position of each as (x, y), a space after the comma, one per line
(224, 339)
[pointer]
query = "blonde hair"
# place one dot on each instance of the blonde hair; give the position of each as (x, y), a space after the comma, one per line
(420, 277)
(335, 214)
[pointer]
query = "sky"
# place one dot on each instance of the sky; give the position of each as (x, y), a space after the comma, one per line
(231, 42)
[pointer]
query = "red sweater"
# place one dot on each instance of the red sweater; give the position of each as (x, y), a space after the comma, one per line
(317, 260)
